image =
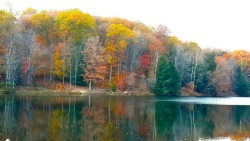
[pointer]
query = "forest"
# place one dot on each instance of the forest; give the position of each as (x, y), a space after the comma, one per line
(54, 48)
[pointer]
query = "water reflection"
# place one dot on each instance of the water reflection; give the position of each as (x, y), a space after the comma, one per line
(118, 118)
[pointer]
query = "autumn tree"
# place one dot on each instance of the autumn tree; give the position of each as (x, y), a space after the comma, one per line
(44, 25)
(241, 80)
(58, 63)
(204, 70)
(8, 39)
(121, 82)
(141, 57)
(243, 59)
(222, 77)
(117, 40)
(101, 30)
(95, 64)
(75, 28)
(132, 63)
(188, 59)
(29, 12)
(27, 45)
(145, 63)
(158, 43)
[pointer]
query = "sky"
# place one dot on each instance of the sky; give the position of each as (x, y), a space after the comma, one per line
(222, 24)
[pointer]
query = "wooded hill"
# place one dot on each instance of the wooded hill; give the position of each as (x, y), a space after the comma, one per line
(112, 53)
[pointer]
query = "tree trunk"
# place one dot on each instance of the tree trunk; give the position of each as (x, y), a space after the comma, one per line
(109, 110)
(118, 70)
(110, 74)
(70, 74)
(156, 62)
(29, 72)
(195, 66)
(90, 83)
(89, 101)
(181, 76)
(63, 70)
(76, 66)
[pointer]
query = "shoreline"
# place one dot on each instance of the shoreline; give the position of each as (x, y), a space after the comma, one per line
(41, 91)
(73, 92)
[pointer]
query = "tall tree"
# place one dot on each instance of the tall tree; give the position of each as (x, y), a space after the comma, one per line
(186, 57)
(243, 59)
(159, 43)
(95, 65)
(58, 62)
(222, 77)
(167, 78)
(117, 40)
(145, 63)
(241, 85)
(44, 25)
(205, 69)
(8, 38)
(27, 45)
(75, 28)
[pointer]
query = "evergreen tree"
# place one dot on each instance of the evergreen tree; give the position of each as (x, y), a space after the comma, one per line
(167, 78)
(241, 85)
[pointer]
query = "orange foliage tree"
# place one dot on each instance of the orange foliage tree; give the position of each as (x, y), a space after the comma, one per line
(95, 65)
(121, 82)
(222, 77)
(58, 68)
(44, 25)
(243, 59)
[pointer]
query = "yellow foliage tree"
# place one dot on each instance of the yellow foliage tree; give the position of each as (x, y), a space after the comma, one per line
(58, 63)
(243, 59)
(44, 25)
(75, 28)
(118, 37)
(76, 24)
(47, 35)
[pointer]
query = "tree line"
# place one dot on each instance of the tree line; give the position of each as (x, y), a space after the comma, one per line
(73, 47)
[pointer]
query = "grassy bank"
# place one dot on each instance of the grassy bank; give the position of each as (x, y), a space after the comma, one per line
(43, 91)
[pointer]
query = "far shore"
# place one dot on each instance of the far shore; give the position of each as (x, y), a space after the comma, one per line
(79, 91)
(83, 91)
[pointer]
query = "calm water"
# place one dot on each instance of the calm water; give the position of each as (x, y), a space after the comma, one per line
(123, 118)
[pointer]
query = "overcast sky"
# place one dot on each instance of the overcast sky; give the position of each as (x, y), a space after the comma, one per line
(221, 24)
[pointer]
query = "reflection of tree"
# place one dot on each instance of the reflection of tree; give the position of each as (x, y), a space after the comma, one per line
(70, 120)
(25, 113)
(242, 117)
(165, 116)
(192, 122)
(222, 118)
(53, 119)
(96, 125)
(204, 125)
(55, 124)
(131, 118)
(9, 117)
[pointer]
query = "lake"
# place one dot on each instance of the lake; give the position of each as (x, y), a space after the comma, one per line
(123, 118)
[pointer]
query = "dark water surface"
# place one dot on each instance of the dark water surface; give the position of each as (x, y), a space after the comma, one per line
(123, 118)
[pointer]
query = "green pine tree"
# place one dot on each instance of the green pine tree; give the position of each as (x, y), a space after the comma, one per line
(241, 85)
(167, 78)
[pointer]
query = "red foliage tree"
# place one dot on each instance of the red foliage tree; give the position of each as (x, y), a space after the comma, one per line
(145, 64)
(145, 61)
(121, 82)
